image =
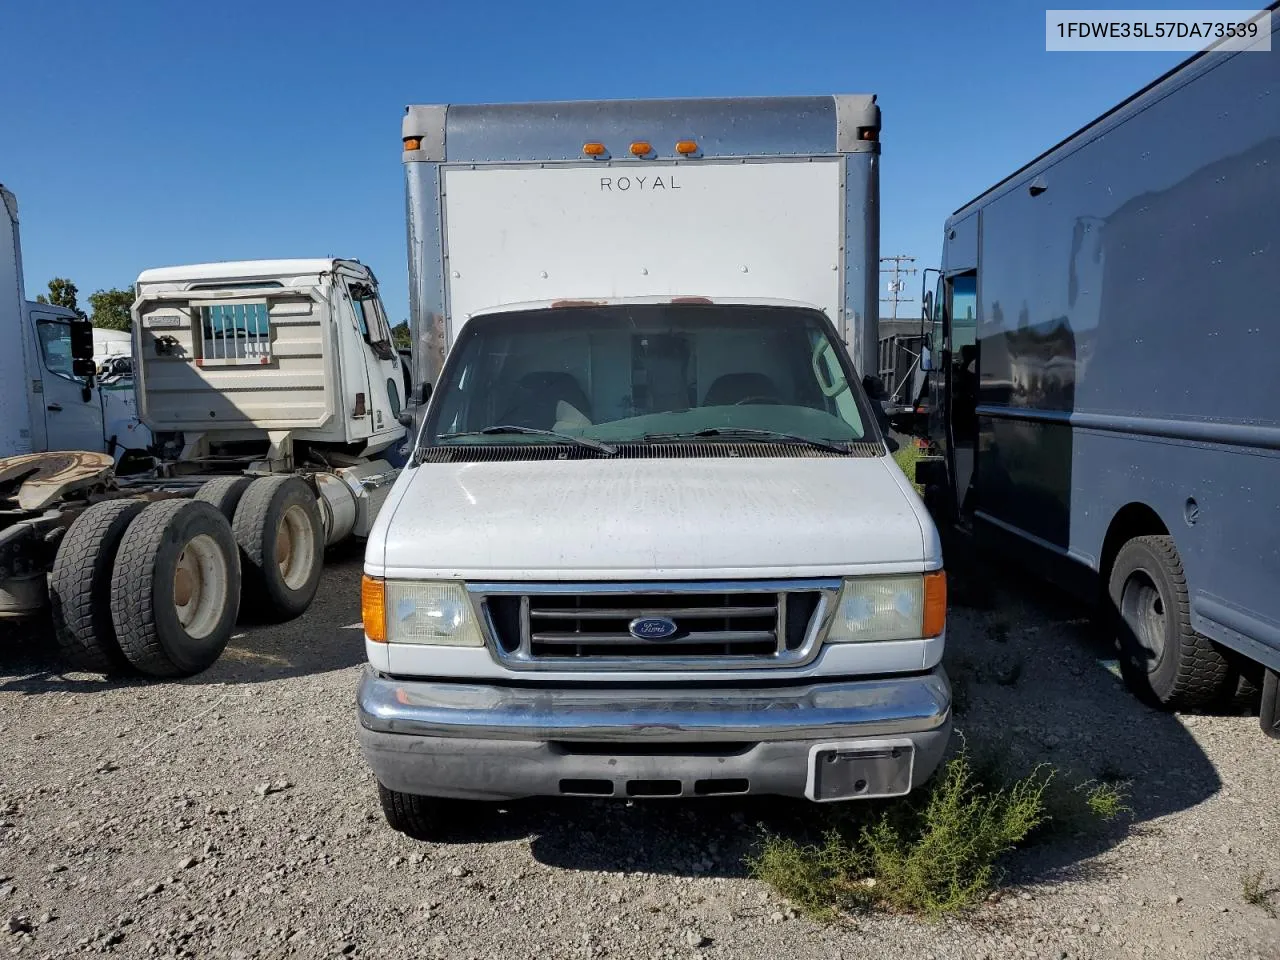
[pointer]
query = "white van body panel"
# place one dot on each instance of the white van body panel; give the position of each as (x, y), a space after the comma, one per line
(527, 233)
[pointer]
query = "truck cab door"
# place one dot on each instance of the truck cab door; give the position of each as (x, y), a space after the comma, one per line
(384, 374)
(68, 398)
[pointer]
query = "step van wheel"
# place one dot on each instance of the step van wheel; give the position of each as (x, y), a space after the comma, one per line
(175, 590)
(225, 493)
(1164, 661)
(80, 587)
(281, 537)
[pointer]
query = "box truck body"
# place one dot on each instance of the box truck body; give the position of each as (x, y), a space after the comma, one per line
(649, 511)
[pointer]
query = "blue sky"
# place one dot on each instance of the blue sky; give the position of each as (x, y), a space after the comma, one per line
(141, 134)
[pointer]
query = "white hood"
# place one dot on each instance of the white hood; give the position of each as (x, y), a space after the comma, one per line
(652, 519)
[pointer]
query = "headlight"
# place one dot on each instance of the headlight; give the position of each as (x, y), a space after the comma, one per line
(431, 612)
(890, 608)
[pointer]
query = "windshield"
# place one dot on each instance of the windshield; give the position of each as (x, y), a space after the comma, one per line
(654, 371)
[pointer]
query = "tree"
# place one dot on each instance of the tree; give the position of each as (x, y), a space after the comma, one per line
(111, 308)
(400, 334)
(62, 293)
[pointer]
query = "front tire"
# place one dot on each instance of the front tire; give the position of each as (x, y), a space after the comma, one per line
(175, 590)
(415, 816)
(1164, 661)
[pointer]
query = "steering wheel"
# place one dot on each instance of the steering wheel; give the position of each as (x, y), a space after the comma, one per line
(773, 400)
(832, 389)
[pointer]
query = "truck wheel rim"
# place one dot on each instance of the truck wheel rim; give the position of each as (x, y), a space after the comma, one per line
(295, 547)
(200, 586)
(1143, 610)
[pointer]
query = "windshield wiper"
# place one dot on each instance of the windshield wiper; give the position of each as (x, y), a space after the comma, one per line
(834, 446)
(502, 428)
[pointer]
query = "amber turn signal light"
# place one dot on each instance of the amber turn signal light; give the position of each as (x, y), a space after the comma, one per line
(935, 603)
(373, 608)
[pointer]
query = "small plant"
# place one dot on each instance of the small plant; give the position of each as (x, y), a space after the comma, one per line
(1107, 801)
(816, 878)
(935, 857)
(1256, 894)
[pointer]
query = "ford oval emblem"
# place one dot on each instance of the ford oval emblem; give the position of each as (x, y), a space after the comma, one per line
(652, 628)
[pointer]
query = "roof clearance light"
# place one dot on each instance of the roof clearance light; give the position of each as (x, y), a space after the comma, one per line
(412, 143)
(641, 148)
(686, 148)
(595, 150)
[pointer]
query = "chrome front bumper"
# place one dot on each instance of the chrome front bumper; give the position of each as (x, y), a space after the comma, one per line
(488, 741)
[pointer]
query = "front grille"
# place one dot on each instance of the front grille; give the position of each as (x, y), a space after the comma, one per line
(724, 625)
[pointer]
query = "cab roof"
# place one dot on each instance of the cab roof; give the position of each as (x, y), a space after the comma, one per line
(248, 270)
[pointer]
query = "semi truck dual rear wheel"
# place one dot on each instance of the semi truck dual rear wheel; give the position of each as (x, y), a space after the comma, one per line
(80, 587)
(281, 536)
(1163, 659)
(225, 493)
(175, 590)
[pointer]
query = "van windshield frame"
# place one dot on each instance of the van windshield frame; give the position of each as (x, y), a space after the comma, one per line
(778, 374)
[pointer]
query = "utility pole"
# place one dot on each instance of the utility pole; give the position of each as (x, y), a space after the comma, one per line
(897, 284)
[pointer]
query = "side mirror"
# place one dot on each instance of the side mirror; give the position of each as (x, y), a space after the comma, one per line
(874, 387)
(422, 394)
(81, 343)
(83, 368)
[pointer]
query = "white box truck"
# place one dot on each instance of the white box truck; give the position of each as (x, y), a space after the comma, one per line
(650, 541)
(267, 392)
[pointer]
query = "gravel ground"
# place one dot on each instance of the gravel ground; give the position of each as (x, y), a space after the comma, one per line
(231, 815)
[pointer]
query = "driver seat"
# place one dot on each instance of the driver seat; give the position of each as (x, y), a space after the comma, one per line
(533, 401)
(735, 387)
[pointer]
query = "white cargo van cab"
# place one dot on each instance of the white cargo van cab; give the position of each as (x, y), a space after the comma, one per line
(650, 541)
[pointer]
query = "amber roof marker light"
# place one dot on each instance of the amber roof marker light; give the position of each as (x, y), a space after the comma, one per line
(595, 150)
(641, 148)
(412, 143)
(687, 148)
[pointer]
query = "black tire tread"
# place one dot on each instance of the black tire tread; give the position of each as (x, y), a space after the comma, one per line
(132, 588)
(1202, 670)
(224, 493)
(249, 527)
(251, 517)
(408, 813)
(80, 587)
